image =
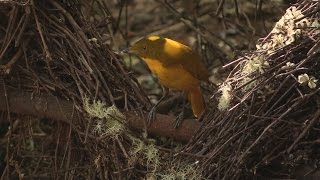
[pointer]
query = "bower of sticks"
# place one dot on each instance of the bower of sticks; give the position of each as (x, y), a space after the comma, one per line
(70, 106)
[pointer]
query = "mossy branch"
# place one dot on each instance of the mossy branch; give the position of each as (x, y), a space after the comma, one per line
(58, 109)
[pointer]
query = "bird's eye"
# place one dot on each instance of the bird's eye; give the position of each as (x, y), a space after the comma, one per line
(144, 47)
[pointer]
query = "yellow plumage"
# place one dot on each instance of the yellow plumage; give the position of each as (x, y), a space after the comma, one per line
(175, 65)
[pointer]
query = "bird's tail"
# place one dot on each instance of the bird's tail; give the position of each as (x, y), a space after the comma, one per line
(197, 103)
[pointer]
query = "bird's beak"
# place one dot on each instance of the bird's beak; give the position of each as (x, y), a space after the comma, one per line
(127, 51)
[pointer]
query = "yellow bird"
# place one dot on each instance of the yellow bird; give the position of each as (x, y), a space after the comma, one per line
(176, 66)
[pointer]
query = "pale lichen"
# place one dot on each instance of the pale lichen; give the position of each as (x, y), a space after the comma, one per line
(305, 79)
(225, 98)
(286, 30)
(106, 120)
(183, 172)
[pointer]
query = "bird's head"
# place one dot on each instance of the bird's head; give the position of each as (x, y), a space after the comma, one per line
(148, 47)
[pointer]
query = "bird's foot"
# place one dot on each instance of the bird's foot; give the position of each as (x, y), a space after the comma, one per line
(179, 119)
(152, 115)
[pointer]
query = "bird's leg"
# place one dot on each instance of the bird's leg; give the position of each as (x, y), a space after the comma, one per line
(153, 111)
(180, 117)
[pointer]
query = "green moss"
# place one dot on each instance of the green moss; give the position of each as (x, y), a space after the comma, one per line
(225, 98)
(183, 172)
(106, 120)
(146, 152)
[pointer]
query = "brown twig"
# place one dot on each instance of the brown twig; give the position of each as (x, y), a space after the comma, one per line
(45, 46)
(314, 119)
(57, 109)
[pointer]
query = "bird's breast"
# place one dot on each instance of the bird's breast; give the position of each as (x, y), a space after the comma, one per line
(173, 76)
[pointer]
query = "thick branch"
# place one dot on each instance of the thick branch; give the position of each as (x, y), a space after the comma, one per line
(58, 109)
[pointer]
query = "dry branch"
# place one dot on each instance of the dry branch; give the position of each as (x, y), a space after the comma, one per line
(48, 106)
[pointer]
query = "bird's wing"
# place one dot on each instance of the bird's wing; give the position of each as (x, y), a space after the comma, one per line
(193, 64)
(190, 61)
